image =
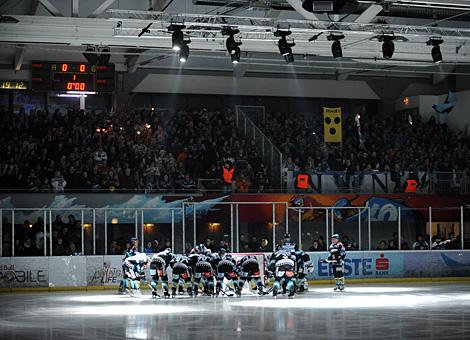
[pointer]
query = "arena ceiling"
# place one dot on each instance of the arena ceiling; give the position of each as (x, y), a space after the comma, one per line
(58, 30)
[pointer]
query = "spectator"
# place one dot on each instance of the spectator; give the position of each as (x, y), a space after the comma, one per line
(253, 244)
(382, 245)
(149, 248)
(58, 247)
(71, 250)
(242, 241)
(315, 246)
(321, 243)
(420, 244)
(128, 181)
(188, 184)
(58, 182)
(264, 246)
(392, 245)
(114, 248)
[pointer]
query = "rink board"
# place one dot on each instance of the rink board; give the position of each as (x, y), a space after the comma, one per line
(103, 271)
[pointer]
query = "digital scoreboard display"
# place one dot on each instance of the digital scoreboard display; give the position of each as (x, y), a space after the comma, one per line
(72, 77)
(13, 85)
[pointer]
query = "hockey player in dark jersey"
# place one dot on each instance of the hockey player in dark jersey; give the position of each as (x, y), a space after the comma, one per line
(282, 265)
(182, 275)
(159, 264)
(131, 251)
(248, 269)
(226, 269)
(201, 259)
(336, 258)
(304, 266)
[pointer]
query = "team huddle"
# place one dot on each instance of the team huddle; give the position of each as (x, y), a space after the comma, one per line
(214, 274)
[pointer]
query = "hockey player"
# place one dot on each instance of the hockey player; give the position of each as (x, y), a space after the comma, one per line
(336, 258)
(133, 271)
(159, 264)
(226, 268)
(282, 264)
(248, 269)
(201, 259)
(182, 275)
(287, 244)
(130, 251)
(304, 266)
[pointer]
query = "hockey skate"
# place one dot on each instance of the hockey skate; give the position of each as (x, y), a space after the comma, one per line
(155, 294)
(173, 292)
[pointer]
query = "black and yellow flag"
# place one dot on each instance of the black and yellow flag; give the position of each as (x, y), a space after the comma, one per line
(332, 123)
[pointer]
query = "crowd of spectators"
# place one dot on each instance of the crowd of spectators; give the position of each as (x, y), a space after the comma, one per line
(128, 150)
(392, 144)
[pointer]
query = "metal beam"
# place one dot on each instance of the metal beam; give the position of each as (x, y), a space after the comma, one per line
(51, 8)
(34, 7)
(19, 57)
(75, 8)
(297, 5)
(157, 5)
(369, 14)
(101, 8)
(132, 63)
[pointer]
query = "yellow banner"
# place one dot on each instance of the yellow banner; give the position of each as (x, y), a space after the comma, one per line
(332, 122)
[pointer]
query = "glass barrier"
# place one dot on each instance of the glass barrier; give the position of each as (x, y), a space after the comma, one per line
(235, 226)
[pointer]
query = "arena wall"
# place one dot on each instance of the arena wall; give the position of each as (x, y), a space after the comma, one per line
(100, 272)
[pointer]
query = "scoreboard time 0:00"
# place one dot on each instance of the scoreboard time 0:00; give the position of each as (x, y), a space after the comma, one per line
(72, 77)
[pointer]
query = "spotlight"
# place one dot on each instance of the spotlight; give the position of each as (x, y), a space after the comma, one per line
(90, 55)
(177, 38)
(104, 57)
(436, 50)
(388, 47)
(285, 48)
(336, 49)
(184, 51)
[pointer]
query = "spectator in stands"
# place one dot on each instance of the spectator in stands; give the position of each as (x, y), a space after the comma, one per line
(114, 248)
(315, 246)
(321, 243)
(111, 181)
(420, 244)
(382, 245)
(71, 249)
(58, 182)
(243, 241)
(253, 244)
(188, 184)
(58, 247)
(392, 245)
(149, 248)
(264, 247)
(128, 181)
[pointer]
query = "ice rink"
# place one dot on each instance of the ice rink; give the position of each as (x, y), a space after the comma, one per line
(379, 311)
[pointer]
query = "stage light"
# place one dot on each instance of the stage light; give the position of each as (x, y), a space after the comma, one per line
(388, 47)
(184, 52)
(336, 49)
(285, 47)
(90, 55)
(105, 55)
(177, 37)
(436, 50)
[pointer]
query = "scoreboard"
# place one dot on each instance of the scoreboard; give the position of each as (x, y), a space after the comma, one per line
(65, 76)
(13, 85)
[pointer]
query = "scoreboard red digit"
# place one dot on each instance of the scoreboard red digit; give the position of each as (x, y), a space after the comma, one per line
(68, 76)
